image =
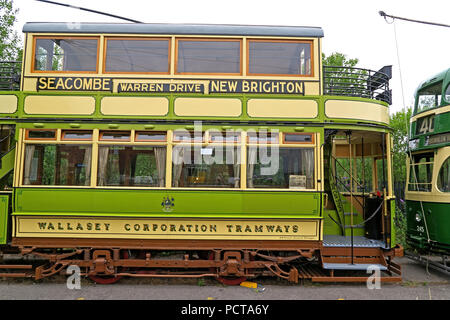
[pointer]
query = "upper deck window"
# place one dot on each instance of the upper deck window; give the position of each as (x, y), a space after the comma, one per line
(208, 56)
(279, 57)
(137, 55)
(66, 54)
(429, 97)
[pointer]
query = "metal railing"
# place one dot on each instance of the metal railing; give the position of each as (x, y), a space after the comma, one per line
(10, 75)
(357, 82)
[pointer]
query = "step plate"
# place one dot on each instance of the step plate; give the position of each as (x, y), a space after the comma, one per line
(355, 266)
(358, 241)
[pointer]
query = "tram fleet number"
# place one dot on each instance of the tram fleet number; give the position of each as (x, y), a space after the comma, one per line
(229, 309)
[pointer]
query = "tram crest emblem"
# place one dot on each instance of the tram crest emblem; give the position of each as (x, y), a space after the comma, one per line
(167, 204)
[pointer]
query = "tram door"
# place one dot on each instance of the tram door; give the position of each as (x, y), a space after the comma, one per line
(358, 180)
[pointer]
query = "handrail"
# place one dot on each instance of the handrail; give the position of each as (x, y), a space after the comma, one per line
(357, 82)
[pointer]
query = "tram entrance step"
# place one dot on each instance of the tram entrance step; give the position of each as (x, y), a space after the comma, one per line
(355, 266)
(346, 241)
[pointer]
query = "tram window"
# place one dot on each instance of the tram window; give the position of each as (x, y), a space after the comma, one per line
(279, 57)
(137, 55)
(263, 137)
(208, 56)
(206, 167)
(77, 135)
(139, 166)
(115, 135)
(429, 97)
(447, 93)
(273, 167)
(186, 136)
(443, 180)
(151, 136)
(228, 136)
(69, 54)
(41, 135)
(298, 138)
(50, 164)
(421, 171)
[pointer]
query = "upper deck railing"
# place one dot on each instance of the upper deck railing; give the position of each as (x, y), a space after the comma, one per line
(357, 82)
(10, 75)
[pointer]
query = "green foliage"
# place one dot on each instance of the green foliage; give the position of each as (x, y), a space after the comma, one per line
(345, 77)
(338, 59)
(399, 122)
(10, 44)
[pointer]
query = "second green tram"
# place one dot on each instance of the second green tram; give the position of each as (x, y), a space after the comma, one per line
(428, 186)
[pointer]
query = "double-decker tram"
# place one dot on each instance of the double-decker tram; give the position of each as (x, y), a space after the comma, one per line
(226, 151)
(428, 186)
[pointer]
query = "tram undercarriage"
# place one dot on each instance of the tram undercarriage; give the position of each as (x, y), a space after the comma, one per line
(106, 261)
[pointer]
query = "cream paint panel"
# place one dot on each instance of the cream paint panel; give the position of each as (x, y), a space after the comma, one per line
(278, 108)
(29, 84)
(135, 106)
(434, 111)
(78, 105)
(8, 103)
(208, 107)
(346, 109)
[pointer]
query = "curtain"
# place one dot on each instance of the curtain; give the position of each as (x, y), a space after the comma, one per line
(29, 153)
(177, 158)
(252, 152)
(308, 166)
(160, 155)
(102, 164)
(87, 165)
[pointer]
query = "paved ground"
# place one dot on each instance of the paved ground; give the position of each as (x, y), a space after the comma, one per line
(418, 284)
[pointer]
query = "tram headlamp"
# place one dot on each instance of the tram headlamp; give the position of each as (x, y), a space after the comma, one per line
(418, 218)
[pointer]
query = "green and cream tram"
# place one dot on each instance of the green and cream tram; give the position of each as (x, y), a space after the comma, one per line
(195, 150)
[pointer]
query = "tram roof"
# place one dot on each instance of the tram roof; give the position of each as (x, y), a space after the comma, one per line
(164, 28)
(438, 77)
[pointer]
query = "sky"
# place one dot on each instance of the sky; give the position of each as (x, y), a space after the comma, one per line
(352, 27)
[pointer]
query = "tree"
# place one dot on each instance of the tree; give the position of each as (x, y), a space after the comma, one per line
(10, 43)
(342, 77)
(399, 122)
(338, 59)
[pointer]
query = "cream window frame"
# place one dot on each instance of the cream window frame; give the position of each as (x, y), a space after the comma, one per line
(243, 144)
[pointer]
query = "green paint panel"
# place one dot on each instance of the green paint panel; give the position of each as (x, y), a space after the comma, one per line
(437, 217)
(4, 201)
(179, 203)
(7, 162)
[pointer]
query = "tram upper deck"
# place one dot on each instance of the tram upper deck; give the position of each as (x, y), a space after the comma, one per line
(171, 72)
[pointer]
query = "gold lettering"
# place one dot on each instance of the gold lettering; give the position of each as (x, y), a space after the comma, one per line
(78, 83)
(106, 84)
(87, 83)
(60, 84)
(68, 84)
(245, 86)
(42, 84)
(50, 83)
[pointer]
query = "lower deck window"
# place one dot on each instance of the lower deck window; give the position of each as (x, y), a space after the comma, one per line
(131, 166)
(51, 164)
(207, 167)
(421, 172)
(443, 180)
(273, 167)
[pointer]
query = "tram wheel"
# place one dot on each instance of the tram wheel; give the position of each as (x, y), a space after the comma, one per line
(228, 280)
(102, 279)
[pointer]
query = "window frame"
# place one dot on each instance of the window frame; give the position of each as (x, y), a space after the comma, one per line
(33, 62)
(239, 40)
(169, 55)
(242, 145)
(311, 52)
